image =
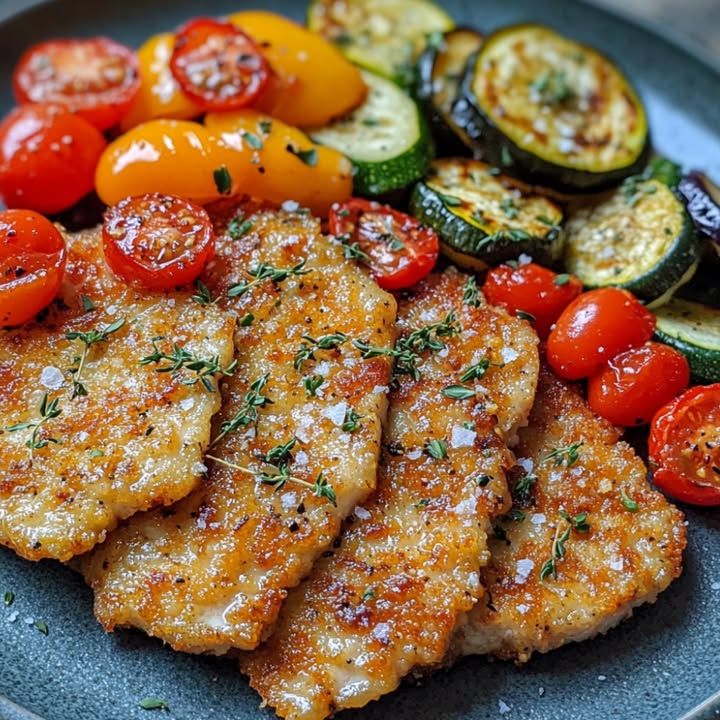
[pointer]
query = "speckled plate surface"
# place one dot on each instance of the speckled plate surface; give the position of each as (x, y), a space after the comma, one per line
(663, 663)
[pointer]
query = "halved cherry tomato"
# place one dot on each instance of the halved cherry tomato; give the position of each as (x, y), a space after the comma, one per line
(32, 262)
(684, 446)
(634, 385)
(304, 67)
(97, 78)
(531, 289)
(595, 327)
(160, 95)
(157, 240)
(218, 65)
(400, 251)
(278, 162)
(47, 157)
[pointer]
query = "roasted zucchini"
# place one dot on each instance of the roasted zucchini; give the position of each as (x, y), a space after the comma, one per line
(484, 218)
(439, 71)
(385, 36)
(694, 330)
(386, 138)
(641, 238)
(552, 112)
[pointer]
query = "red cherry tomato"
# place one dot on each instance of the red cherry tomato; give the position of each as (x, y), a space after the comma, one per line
(594, 328)
(531, 289)
(634, 385)
(684, 446)
(47, 157)
(97, 78)
(32, 262)
(397, 248)
(160, 241)
(218, 65)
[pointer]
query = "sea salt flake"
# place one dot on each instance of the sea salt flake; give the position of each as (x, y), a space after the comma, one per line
(462, 437)
(503, 707)
(52, 378)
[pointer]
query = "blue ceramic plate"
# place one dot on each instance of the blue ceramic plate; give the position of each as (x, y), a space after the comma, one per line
(663, 663)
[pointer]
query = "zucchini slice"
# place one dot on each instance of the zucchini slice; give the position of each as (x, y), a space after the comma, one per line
(552, 111)
(641, 238)
(386, 138)
(440, 69)
(384, 36)
(694, 330)
(483, 218)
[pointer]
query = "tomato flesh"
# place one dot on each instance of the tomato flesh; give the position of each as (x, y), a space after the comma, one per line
(47, 158)
(684, 446)
(218, 65)
(531, 289)
(635, 384)
(97, 78)
(32, 262)
(160, 241)
(398, 249)
(595, 327)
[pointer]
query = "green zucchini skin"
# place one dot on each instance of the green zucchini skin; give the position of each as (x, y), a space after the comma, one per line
(440, 70)
(386, 138)
(535, 160)
(383, 36)
(462, 199)
(694, 330)
(641, 238)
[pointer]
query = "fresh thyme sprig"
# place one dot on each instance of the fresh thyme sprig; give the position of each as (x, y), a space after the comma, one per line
(277, 472)
(248, 412)
(180, 359)
(261, 272)
(567, 455)
(408, 350)
(471, 292)
(307, 349)
(579, 524)
(351, 422)
(88, 339)
(49, 410)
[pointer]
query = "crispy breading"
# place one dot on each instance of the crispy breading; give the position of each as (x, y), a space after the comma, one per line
(387, 599)
(133, 442)
(212, 572)
(625, 558)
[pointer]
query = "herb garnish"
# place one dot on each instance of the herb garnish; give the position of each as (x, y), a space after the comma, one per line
(509, 208)
(311, 384)
(278, 474)
(9, 598)
(552, 87)
(88, 339)
(307, 349)
(223, 181)
(458, 392)
(48, 410)
(478, 370)
(152, 703)
(437, 449)
(238, 227)
(252, 140)
(180, 359)
(248, 412)
(628, 502)
(579, 524)
(567, 455)
(263, 271)
(41, 626)
(308, 157)
(87, 303)
(352, 421)
(471, 292)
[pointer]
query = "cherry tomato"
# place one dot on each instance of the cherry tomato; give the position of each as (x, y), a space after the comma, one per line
(277, 162)
(218, 65)
(157, 240)
(47, 157)
(595, 327)
(634, 385)
(684, 446)
(304, 65)
(97, 78)
(531, 289)
(32, 261)
(398, 249)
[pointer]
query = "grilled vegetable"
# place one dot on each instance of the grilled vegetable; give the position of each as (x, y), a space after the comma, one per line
(440, 69)
(640, 238)
(386, 138)
(703, 202)
(484, 218)
(694, 330)
(385, 36)
(552, 111)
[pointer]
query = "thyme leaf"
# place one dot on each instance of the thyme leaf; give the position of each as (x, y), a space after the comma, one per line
(49, 409)
(248, 411)
(88, 339)
(567, 455)
(262, 271)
